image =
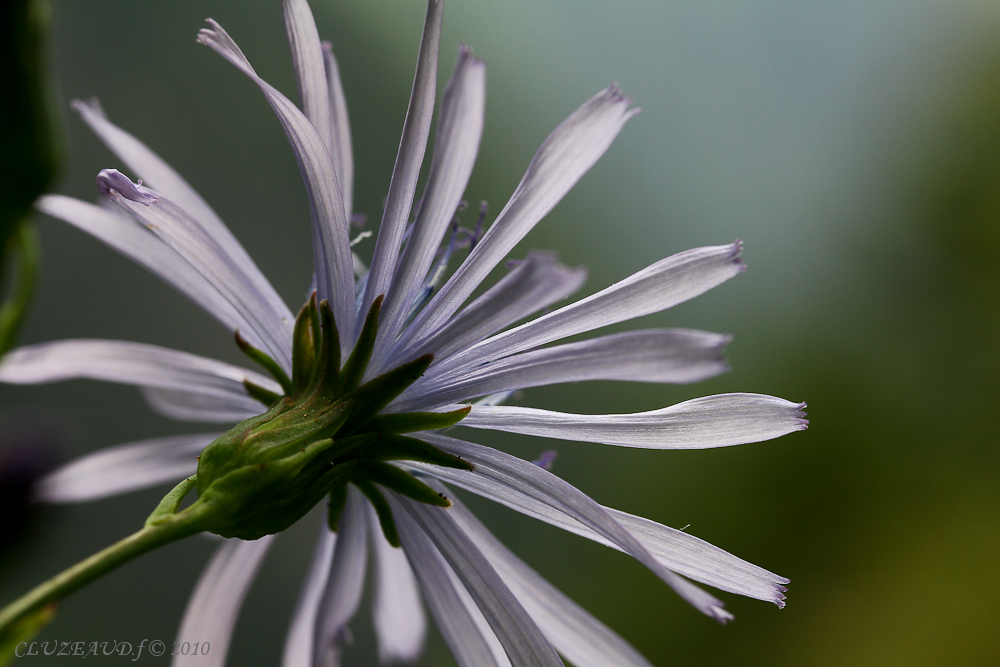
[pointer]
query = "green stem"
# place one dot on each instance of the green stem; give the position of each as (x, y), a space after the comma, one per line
(181, 525)
(23, 246)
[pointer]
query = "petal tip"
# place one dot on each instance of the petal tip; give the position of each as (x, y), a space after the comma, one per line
(112, 180)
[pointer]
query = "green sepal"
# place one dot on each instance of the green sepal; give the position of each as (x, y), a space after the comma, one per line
(354, 367)
(382, 510)
(338, 498)
(403, 448)
(266, 498)
(172, 501)
(258, 393)
(409, 422)
(378, 392)
(399, 481)
(326, 366)
(263, 359)
(304, 347)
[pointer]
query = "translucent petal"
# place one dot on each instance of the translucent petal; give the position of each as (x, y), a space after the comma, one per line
(299, 643)
(123, 468)
(186, 406)
(340, 142)
(712, 421)
(310, 71)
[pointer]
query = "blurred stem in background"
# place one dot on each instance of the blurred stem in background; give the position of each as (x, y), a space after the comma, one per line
(30, 154)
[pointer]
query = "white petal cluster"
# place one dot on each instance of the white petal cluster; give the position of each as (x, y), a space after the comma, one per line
(491, 608)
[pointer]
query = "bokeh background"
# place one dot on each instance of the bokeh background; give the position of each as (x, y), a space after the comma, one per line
(854, 147)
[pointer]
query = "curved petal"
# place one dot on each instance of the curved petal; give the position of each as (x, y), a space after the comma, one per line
(563, 158)
(520, 637)
(130, 363)
(123, 234)
(157, 174)
(331, 245)
(185, 406)
(344, 583)
(652, 355)
(268, 318)
(576, 634)
(123, 468)
(462, 625)
(310, 71)
(412, 145)
(299, 643)
(659, 286)
(397, 612)
(460, 128)
(675, 550)
(211, 613)
(340, 143)
(712, 421)
(532, 285)
(550, 490)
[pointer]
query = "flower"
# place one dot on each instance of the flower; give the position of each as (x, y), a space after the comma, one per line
(447, 361)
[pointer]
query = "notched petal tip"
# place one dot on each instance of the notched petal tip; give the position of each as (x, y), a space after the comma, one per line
(800, 416)
(466, 55)
(109, 180)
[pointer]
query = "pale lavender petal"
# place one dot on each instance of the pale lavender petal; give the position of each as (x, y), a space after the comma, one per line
(267, 317)
(212, 610)
(344, 583)
(186, 406)
(460, 127)
(550, 490)
(652, 355)
(576, 634)
(331, 245)
(122, 233)
(675, 550)
(123, 468)
(565, 156)
(310, 72)
(711, 421)
(520, 637)
(340, 142)
(397, 612)
(299, 642)
(412, 145)
(659, 286)
(157, 174)
(129, 363)
(461, 623)
(532, 285)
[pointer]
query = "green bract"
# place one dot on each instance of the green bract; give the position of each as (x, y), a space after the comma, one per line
(326, 432)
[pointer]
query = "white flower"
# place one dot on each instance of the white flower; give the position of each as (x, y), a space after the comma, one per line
(491, 608)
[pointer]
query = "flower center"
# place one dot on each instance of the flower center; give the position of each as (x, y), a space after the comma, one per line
(325, 432)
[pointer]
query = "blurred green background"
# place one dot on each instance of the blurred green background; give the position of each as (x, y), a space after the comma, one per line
(855, 147)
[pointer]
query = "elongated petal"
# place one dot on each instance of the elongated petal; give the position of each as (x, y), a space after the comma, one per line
(460, 128)
(268, 319)
(211, 613)
(412, 145)
(576, 634)
(344, 584)
(520, 637)
(659, 286)
(456, 618)
(566, 155)
(157, 174)
(550, 490)
(340, 143)
(534, 284)
(129, 363)
(123, 234)
(299, 642)
(123, 468)
(712, 421)
(185, 406)
(674, 549)
(310, 71)
(652, 355)
(331, 245)
(397, 612)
